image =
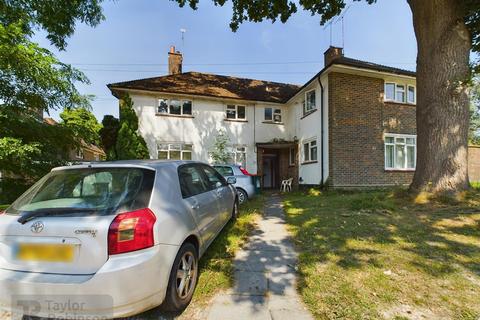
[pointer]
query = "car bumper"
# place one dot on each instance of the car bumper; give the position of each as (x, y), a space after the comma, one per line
(126, 285)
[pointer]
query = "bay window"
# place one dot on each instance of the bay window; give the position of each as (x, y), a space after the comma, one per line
(400, 152)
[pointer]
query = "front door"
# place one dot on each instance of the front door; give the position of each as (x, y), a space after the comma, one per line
(269, 169)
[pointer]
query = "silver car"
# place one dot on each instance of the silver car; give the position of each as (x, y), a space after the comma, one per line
(245, 183)
(113, 239)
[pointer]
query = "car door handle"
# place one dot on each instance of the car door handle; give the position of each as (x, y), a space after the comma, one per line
(195, 206)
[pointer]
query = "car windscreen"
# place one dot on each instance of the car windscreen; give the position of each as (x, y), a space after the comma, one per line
(224, 170)
(87, 191)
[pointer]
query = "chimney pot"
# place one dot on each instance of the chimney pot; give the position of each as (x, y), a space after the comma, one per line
(332, 54)
(175, 60)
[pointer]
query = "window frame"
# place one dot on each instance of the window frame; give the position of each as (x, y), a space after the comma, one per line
(79, 154)
(168, 112)
(307, 110)
(396, 136)
(234, 151)
(292, 153)
(310, 150)
(236, 107)
(406, 88)
(273, 114)
(185, 147)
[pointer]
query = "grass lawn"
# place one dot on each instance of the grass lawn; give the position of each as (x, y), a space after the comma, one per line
(4, 206)
(378, 255)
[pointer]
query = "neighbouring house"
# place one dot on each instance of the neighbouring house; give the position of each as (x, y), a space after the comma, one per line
(352, 125)
(86, 151)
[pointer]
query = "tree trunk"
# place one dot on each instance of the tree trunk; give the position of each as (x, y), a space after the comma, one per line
(442, 96)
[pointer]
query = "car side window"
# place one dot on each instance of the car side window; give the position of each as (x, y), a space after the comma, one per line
(214, 179)
(224, 171)
(191, 182)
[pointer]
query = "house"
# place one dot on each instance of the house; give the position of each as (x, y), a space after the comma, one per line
(86, 151)
(351, 125)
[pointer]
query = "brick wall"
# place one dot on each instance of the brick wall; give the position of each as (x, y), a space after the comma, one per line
(358, 117)
(474, 163)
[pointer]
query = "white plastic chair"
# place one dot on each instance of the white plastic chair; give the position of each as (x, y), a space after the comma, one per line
(286, 185)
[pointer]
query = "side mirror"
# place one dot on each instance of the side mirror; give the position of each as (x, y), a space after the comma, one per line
(231, 180)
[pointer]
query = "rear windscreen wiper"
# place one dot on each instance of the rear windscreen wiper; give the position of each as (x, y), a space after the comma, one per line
(30, 215)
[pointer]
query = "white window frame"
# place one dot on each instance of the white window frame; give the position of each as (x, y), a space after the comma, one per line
(168, 102)
(396, 136)
(237, 150)
(227, 107)
(184, 148)
(306, 107)
(292, 153)
(310, 150)
(275, 112)
(414, 94)
(395, 89)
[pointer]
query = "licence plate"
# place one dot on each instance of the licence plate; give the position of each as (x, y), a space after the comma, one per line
(45, 252)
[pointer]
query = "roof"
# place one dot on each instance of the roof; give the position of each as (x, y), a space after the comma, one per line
(146, 163)
(212, 85)
(372, 66)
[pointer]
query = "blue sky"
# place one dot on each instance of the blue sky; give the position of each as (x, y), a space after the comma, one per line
(134, 39)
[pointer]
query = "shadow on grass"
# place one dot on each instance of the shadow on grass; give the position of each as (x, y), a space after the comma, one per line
(363, 234)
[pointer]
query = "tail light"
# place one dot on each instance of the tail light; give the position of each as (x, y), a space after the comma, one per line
(131, 231)
(244, 171)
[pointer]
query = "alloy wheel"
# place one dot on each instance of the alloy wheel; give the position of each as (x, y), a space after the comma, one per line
(186, 275)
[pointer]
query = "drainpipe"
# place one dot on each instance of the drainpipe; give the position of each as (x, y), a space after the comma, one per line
(322, 126)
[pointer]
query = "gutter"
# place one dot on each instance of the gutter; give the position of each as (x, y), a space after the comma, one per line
(322, 131)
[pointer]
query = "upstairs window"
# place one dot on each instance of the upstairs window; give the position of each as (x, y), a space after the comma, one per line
(235, 112)
(310, 151)
(174, 151)
(400, 93)
(310, 101)
(273, 115)
(400, 152)
(174, 106)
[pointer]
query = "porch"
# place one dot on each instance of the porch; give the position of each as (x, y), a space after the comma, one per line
(277, 161)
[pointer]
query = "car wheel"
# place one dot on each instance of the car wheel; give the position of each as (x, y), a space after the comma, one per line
(242, 196)
(235, 211)
(183, 279)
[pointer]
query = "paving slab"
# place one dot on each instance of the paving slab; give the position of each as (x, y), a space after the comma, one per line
(265, 275)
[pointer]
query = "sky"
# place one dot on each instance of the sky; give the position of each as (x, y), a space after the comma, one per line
(133, 42)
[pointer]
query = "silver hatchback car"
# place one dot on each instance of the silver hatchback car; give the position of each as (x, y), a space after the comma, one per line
(114, 239)
(244, 180)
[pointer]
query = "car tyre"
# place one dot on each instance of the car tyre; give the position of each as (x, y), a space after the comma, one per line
(235, 211)
(183, 279)
(242, 196)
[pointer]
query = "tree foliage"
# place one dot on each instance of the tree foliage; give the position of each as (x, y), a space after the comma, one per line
(130, 144)
(109, 134)
(220, 153)
(83, 124)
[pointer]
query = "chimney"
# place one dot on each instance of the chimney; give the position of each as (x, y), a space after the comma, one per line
(174, 61)
(332, 54)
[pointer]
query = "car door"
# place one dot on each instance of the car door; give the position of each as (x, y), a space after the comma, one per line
(200, 200)
(222, 192)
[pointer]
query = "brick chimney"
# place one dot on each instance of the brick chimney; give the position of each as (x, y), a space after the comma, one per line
(331, 54)
(174, 61)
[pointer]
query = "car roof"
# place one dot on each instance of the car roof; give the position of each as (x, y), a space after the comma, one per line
(225, 165)
(146, 164)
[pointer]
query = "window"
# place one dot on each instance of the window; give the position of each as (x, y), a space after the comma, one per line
(390, 91)
(400, 93)
(310, 151)
(273, 115)
(235, 112)
(224, 170)
(174, 151)
(191, 181)
(79, 153)
(310, 101)
(214, 179)
(400, 152)
(292, 156)
(239, 156)
(411, 95)
(174, 106)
